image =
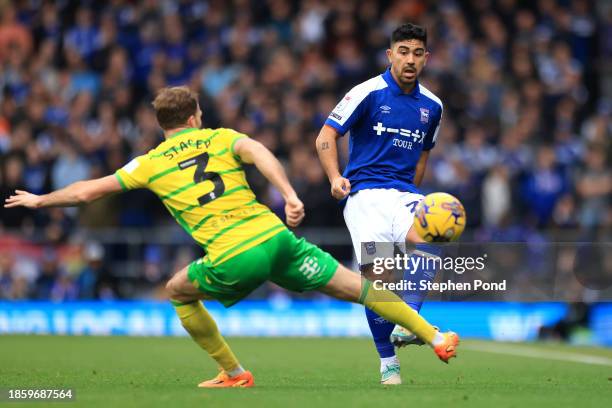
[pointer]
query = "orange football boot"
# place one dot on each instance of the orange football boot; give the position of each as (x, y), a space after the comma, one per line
(448, 349)
(222, 380)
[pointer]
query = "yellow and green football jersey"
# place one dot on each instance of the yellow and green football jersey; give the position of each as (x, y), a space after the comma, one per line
(202, 183)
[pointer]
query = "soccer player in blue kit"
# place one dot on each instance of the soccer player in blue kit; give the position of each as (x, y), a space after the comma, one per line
(393, 122)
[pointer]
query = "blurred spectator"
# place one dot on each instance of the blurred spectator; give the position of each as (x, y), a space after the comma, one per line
(475, 152)
(70, 167)
(11, 179)
(496, 196)
(544, 185)
(83, 35)
(50, 283)
(14, 36)
(565, 212)
(89, 279)
(594, 187)
(513, 153)
(17, 275)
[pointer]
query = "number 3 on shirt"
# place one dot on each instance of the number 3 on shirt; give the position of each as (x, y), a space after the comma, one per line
(201, 175)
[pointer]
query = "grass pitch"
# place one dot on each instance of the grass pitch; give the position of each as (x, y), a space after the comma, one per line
(303, 372)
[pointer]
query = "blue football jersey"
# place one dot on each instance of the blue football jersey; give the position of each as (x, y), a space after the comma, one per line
(388, 131)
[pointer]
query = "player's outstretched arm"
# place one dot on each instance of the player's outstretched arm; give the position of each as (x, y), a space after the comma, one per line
(328, 155)
(252, 152)
(81, 192)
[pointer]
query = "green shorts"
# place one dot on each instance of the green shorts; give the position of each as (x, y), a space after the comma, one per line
(291, 263)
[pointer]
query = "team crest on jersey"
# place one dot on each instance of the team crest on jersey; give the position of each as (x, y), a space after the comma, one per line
(424, 115)
(370, 247)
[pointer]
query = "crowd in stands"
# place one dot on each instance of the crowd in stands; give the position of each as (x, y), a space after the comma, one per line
(525, 141)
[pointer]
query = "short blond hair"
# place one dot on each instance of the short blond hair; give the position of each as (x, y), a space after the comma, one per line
(174, 105)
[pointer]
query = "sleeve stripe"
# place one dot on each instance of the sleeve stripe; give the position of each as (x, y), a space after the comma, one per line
(331, 123)
(347, 106)
(427, 93)
(123, 186)
(430, 95)
(234, 142)
(436, 133)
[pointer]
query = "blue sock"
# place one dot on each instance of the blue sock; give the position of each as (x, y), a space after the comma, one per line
(379, 327)
(415, 298)
(381, 330)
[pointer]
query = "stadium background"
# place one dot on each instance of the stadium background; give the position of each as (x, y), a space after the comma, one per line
(525, 142)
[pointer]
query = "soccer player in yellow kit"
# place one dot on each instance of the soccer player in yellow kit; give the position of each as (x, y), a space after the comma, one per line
(198, 175)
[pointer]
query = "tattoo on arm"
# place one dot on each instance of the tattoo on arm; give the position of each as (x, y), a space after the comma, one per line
(324, 145)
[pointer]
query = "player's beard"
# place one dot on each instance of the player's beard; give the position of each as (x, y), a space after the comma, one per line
(406, 82)
(412, 72)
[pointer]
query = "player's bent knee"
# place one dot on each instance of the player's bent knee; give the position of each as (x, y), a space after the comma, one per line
(175, 287)
(180, 289)
(171, 288)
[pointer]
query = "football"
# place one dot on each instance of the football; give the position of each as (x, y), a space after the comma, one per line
(440, 217)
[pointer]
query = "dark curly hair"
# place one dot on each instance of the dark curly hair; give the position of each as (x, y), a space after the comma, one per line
(409, 31)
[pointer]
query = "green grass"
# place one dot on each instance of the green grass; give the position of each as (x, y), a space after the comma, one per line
(314, 373)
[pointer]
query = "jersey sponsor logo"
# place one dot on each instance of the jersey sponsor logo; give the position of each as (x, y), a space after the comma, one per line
(415, 136)
(424, 115)
(385, 109)
(335, 116)
(404, 144)
(220, 221)
(310, 267)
